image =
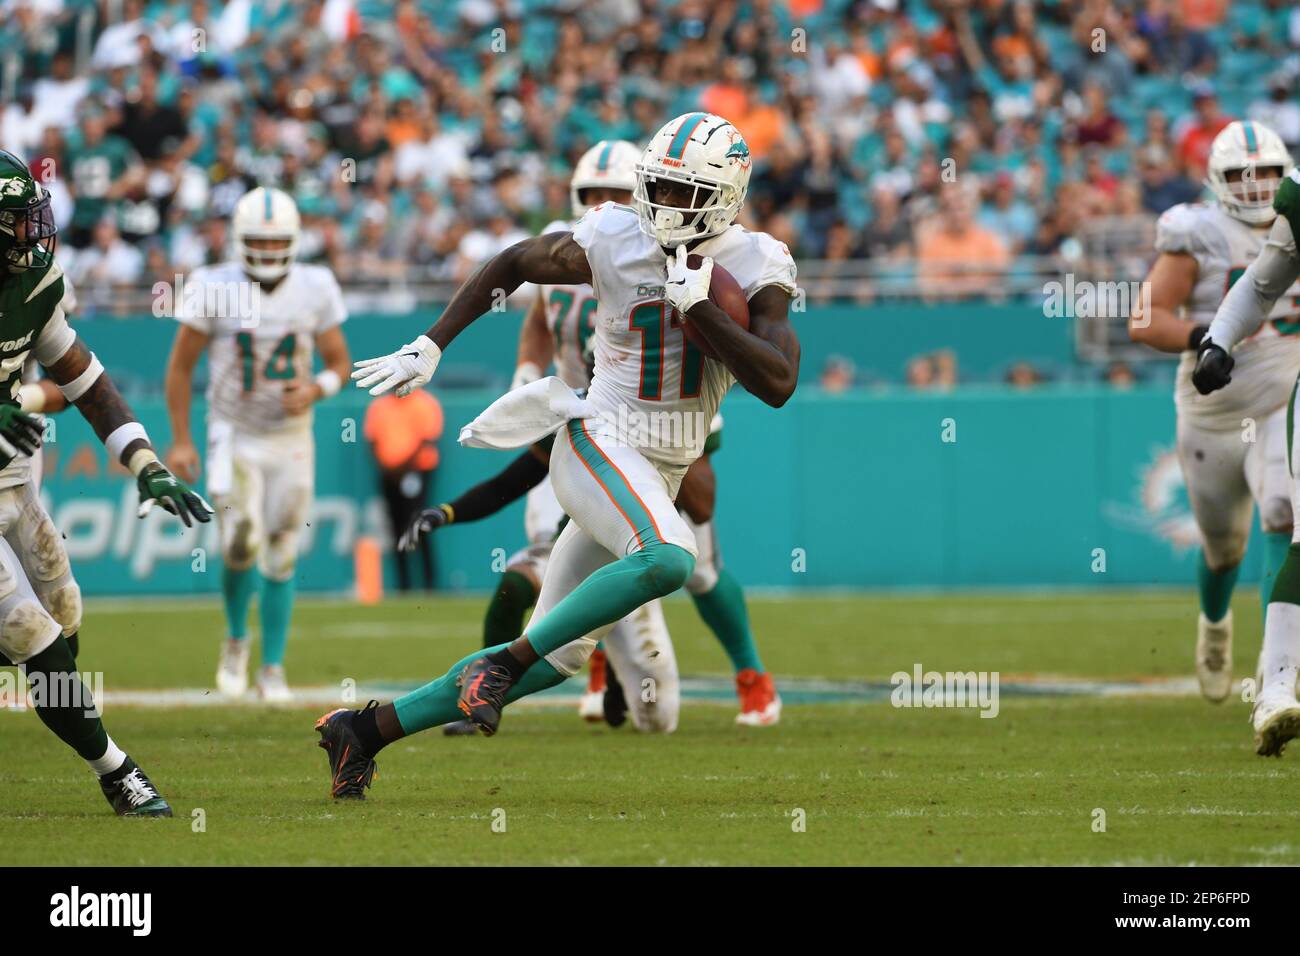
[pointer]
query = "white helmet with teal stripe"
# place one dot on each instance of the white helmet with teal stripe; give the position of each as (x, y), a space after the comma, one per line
(708, 155)
(1247, 162)
(610, 164)
(266, 231)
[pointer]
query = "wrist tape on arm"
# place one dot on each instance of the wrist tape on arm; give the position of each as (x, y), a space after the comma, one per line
(81, 384)
(329, 382)
(122, 436)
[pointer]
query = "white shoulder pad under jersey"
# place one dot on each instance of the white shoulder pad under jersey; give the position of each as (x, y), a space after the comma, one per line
(754, 259)
(321, 294)
(208, 291)
(1189, 228)
(611, 236)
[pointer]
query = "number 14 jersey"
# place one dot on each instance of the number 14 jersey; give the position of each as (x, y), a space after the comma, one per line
(259, 338)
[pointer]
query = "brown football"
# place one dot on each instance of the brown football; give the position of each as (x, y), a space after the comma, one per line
(724, 292)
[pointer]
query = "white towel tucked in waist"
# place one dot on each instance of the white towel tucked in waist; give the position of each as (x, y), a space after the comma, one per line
(525, 415)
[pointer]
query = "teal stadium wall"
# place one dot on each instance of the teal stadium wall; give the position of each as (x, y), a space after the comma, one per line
(858, 490)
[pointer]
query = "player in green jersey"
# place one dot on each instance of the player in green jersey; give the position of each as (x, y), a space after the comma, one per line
(36, 591)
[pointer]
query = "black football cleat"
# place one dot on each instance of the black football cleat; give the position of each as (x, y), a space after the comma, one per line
(351, 768)
(483, 688)
(130, 793)
(459, 728)
(614, 702)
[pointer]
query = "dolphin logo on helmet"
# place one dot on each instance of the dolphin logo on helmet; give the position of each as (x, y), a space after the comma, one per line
(702, 151)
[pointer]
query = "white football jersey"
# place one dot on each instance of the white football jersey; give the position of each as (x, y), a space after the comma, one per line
(1268, 362)
(645, 366)
(570, 318)
(259, 340)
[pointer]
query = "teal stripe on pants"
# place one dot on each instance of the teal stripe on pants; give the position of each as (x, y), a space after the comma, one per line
(614, 484)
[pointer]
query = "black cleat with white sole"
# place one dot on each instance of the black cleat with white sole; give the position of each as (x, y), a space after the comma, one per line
(130, 793)
(351, 768)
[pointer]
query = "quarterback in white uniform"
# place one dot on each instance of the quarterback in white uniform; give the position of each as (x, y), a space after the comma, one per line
(1251, 305)
(625, 544)
(1232, 444)
(260, 319)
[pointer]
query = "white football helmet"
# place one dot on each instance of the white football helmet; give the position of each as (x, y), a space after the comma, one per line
(703, 151)
(1255, 150)
(265, 213)
(610, 164)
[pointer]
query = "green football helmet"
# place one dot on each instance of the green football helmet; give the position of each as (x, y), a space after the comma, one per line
(27, 229)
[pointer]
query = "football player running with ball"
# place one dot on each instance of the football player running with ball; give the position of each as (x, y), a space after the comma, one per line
(1222, 364)
(40, 591)
(261, 459)
(625, 544)
(1231, 445)
(558, 328)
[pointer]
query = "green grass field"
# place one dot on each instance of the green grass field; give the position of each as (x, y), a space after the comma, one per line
(1177, 778)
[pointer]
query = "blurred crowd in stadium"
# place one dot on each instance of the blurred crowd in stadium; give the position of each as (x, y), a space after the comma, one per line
(419, 137)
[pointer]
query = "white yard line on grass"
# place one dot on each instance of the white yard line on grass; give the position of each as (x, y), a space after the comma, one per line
(717, 691)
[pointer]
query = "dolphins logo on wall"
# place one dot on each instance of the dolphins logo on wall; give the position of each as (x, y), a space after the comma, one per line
(1162, 508)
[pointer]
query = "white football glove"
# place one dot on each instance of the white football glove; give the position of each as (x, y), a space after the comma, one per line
(687, 287)
(406, 369)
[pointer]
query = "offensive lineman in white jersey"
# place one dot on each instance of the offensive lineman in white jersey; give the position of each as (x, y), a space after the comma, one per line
(1252, 302)
(625, 544)
(261, 458)
(1231, 445)
(558, 328)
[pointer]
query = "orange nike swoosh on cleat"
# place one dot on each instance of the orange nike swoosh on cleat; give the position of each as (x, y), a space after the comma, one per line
(346, 750)
(472, 691)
